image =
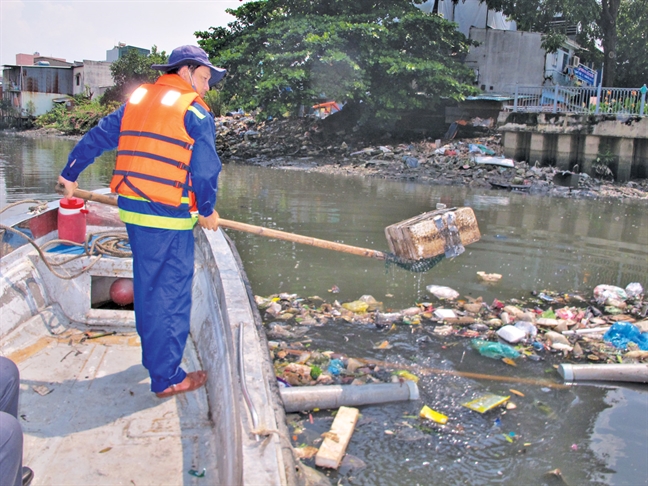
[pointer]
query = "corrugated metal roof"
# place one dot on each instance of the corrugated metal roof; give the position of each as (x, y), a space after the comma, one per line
(35, 66)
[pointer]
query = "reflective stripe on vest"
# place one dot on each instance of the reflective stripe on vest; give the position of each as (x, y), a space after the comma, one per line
(155, 221)
(154, 152)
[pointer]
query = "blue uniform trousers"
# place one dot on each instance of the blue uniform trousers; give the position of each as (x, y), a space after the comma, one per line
(163, 264)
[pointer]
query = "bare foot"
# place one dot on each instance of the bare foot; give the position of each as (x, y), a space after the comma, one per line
(192, 381)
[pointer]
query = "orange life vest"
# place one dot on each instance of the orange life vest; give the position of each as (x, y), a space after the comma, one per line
(154, 151)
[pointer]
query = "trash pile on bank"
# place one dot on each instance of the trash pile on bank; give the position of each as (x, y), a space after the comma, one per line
(476, 162)
(608, 327)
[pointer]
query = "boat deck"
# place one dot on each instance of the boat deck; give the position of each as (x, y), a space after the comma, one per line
(97, 421)
(86, 407)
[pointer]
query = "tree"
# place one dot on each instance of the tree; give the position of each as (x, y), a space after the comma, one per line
(130, 71)
(385, 54)
(597, 20)
(632, 47)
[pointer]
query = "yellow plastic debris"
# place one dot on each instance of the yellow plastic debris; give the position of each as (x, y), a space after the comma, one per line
(485, 402)
(357, 306)
(407, 375)
(427, 413)
(383, 345)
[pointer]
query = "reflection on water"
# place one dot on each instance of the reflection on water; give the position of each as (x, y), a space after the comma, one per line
(589, 433)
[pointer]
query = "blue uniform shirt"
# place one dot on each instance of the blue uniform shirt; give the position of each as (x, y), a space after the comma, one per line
(205, 163)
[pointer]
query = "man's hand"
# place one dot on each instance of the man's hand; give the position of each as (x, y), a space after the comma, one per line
(69, 187)
(210, 222)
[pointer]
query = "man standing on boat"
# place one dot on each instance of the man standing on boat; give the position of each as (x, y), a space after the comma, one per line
(167, 170)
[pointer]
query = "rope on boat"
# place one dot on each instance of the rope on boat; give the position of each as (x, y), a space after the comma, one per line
(109, 243)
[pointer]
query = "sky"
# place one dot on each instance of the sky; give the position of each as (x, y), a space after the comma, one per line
(85, 29)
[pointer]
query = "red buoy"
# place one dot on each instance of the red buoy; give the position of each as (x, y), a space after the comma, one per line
(121, 291)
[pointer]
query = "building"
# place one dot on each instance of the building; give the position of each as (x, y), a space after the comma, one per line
(506, 57)
(121, 49)
(30, 90)
(91, 78)
(35, 82)
(36, 59)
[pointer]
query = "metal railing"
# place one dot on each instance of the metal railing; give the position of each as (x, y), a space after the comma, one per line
(571, 99)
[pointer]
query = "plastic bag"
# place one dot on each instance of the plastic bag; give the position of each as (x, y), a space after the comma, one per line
(621, 333)
(494, 350)
(357, 306)
(529, 329)
(335, 367)
(480, 149)
(603, 292)
(442, 292)
(634, 289)
(511, 334)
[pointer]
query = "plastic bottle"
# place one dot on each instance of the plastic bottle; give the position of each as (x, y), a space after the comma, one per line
(72, 219)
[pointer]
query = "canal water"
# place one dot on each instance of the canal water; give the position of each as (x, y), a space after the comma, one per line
(591, 434)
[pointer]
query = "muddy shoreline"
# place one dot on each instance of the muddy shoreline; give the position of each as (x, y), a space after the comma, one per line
(307, 145)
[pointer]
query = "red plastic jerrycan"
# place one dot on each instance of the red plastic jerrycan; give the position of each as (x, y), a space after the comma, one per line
(72, 219)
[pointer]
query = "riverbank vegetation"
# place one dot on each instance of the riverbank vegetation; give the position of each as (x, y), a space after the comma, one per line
(83, 111)
(76, 119)
(382, 57)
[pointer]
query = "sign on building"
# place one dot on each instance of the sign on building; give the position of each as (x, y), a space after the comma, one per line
(585, 74)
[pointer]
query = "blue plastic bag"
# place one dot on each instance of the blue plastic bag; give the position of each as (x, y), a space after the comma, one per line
(494, 350)
(621, 333)
(335, 367)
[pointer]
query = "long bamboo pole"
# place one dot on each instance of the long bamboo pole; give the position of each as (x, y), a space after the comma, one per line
(436, 371)
(465, 374)
(257, 230)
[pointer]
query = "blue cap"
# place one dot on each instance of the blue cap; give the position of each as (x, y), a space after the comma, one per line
(191, 55)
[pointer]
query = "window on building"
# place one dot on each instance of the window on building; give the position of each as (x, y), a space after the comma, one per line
(78, 79)
(565, 57)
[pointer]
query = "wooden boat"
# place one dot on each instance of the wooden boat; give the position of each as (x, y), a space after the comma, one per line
(87, 411)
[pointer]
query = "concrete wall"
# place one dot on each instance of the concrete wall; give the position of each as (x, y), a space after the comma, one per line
(36, 104)
(578, 142)
(94, 74)
(505, 58)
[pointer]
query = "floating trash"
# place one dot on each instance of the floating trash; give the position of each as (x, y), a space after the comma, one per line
(485, 402)
(427, 413)
(494, 350)
(197, 474)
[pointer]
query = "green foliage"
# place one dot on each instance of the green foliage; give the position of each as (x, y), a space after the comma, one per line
(618, 101)
(214, 100)
(30, 108)
(601, 165)
(633, 44)
(551, 41)
(385, 54)
(132, 70)
(80, 118)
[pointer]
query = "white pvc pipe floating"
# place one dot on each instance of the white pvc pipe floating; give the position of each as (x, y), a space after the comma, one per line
(636, 373)
(586, 331)
(301, 398)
